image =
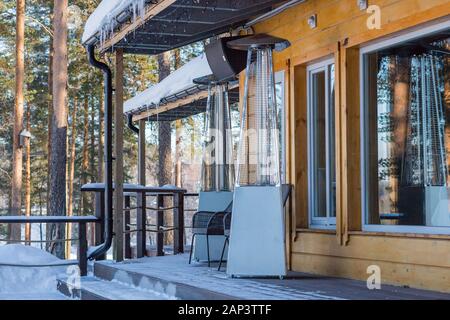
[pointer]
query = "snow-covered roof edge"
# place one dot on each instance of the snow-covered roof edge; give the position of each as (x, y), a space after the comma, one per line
(108, 15)
(176, 83)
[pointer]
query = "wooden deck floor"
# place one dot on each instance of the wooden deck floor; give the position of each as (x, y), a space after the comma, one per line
(175, 271)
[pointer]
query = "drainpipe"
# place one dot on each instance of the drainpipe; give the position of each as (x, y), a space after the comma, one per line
(130, 124)
(107, 222)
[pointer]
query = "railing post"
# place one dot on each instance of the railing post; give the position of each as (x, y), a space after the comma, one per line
(82, 249)
(178, 221)
(159, 224)
(126, 227)
(141, 225)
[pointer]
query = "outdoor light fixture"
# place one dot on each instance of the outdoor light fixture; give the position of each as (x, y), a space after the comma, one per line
(24, 136)
(312, 21)
(362, 4)
(257, 228)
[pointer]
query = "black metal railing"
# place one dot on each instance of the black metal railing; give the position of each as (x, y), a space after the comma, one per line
(82, 221)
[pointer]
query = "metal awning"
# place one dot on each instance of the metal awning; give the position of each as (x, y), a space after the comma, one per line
(187, 110)
(181, 22)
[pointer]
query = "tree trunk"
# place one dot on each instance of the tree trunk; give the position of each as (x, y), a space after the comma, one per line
(100, 140)
(165, 142)
(178, 153)
(178, 134)
(447, 107)
(92, 151)
(399, 118)
(71, 175)
(59, 127)
(85, 155)
(28, 179)
(49, 117)
(16, 182)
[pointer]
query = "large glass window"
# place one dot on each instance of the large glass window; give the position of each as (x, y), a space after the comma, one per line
(407, 135)
(321, 132)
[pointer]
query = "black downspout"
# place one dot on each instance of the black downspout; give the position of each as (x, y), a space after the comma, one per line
(131, 125)
(108, 216)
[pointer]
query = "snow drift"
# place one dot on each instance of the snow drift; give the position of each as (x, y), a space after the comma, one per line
(29, 270)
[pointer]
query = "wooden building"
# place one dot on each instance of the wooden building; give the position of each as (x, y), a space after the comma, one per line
(365, 105)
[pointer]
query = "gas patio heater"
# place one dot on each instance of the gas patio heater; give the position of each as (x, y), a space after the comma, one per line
(257, 240)
(218, 177)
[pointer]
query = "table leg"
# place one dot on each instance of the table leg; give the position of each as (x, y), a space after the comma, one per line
(141, 225)
(159, 223)
(178, 220)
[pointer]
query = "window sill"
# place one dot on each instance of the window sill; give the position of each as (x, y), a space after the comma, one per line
(316, 230)
(400, 235)
(377, 234)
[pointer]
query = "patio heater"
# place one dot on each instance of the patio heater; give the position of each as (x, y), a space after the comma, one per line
(257, 241)
(217, 180)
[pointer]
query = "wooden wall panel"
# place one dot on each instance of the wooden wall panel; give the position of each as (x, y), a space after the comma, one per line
(419, 261)
(403, 260)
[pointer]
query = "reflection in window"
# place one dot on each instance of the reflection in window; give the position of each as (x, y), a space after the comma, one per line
(279, 96)
(408, 131)
(322, 173)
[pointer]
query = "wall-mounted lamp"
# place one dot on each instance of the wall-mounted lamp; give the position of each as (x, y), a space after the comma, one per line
(363, 4)
(24, 137)
(312, 21)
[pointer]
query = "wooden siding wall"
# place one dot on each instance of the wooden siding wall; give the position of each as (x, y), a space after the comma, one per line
(421, 261)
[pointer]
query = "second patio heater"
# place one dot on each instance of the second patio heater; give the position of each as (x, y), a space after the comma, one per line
(217, 180)
(218, 177)
(218, 161)
(257, 240)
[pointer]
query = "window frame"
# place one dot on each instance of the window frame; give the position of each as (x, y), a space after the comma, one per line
(413, 34)
(327, 222)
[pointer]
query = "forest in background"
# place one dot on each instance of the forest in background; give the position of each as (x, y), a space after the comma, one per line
(84, 109)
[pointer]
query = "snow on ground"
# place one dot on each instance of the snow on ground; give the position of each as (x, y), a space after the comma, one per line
(29, 273)
(103, 18)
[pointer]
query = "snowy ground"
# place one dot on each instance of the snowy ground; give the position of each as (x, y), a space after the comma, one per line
(28, 273)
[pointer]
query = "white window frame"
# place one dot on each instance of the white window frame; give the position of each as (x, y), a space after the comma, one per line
(319, 222)
(280, 80)
(414, 33)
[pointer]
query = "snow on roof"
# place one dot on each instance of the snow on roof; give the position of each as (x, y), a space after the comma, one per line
(177, 82)
(102, 20)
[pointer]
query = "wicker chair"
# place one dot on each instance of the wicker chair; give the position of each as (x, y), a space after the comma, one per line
(208, 223)
(226, 233)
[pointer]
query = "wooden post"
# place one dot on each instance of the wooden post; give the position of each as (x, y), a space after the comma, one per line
(160, 223)
(140, 225)
(118, 194)
(178, 221)
(141, 203)
(141, 153)
(82, 249)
